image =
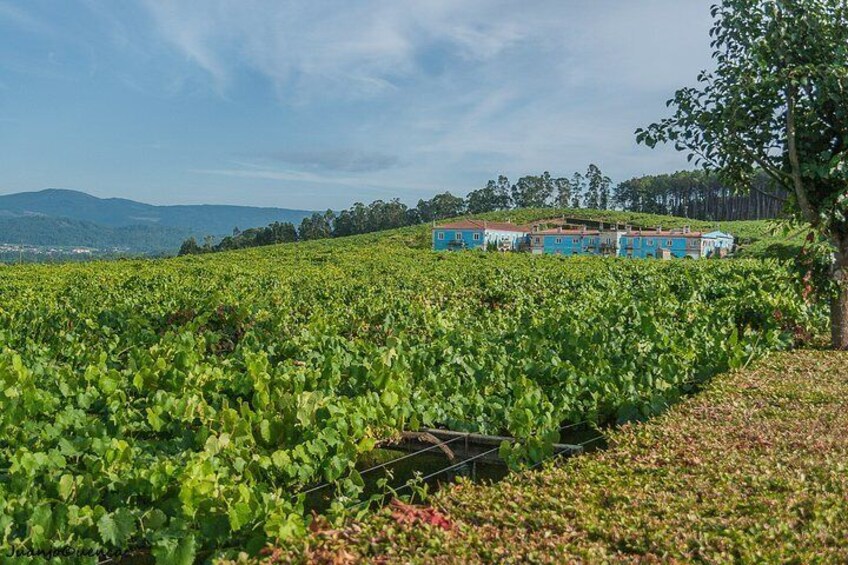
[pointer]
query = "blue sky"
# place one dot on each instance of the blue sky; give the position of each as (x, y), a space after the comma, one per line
(308, 104)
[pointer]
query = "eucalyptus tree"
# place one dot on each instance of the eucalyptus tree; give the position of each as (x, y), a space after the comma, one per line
(441, 206)
(598, 192)
(563, 192)
(777, 100)
(494, 196)
(533, 192)
(317, 226)
(578, 188)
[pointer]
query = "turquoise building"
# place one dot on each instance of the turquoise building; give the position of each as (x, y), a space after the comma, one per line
(565, 242)
(629, 242)
(568, 241)
(478, 234)
(658, 244)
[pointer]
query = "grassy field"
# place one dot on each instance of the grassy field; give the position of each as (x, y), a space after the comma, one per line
(752, 470)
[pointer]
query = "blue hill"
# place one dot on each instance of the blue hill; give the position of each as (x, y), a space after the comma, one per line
(69, 217)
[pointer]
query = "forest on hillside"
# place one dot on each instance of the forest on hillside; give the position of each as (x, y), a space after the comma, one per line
(701, 196)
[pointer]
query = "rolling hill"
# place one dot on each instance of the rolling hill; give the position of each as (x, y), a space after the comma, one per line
(60, 217)
(47, 231)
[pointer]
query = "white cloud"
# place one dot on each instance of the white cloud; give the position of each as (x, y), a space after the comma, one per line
(375, 186)
(383, 97)
(350, 48)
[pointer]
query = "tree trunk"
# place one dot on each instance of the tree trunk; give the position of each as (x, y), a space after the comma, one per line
(839, 306)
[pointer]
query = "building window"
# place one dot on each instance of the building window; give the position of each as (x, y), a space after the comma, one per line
(575, 241)
(538, 240)
(650, 242)
(559, 240)
(458, 236)
(668, 243)
(441, 235)
(476, 237)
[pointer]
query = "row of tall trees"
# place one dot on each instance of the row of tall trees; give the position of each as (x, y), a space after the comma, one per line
(701, 195)
(592, 190)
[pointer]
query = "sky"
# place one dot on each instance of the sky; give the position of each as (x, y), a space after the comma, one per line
(319, 104)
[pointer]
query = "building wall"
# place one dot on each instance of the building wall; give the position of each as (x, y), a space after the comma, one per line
(495, 236)
(722, 240)
(651, 246)
(569, 244)
(644, 245)
(473, 239)
(467, 237)
(610, 242)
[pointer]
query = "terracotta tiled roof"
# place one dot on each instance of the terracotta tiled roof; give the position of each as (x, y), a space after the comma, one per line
(650, 233)
(556, 231)
(482, 224)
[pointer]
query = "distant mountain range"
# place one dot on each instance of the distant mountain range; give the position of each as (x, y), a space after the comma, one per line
(69, 218)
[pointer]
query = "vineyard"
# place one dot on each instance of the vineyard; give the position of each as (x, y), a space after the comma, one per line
(178, 407)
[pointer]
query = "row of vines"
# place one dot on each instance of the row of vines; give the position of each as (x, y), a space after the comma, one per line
(177, 407)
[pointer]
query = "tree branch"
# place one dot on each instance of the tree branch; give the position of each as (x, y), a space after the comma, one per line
(777, 175)
(800, 191)
(768, 194)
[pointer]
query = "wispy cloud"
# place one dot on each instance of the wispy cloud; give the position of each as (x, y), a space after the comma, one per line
(351, 99)
(487, 81)
(362, 48)
(344, 160)
(370, 184)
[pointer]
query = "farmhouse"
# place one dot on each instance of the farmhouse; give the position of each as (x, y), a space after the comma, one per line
(682, 243)
(568, 240)
(661, 244)
(724, 242)
(561, 241)
(478, 234)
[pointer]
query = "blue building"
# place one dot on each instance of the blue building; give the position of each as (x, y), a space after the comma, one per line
(567, 242)
(477, 234)
(658, 244)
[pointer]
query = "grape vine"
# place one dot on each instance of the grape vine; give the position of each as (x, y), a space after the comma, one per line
(177, 406)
